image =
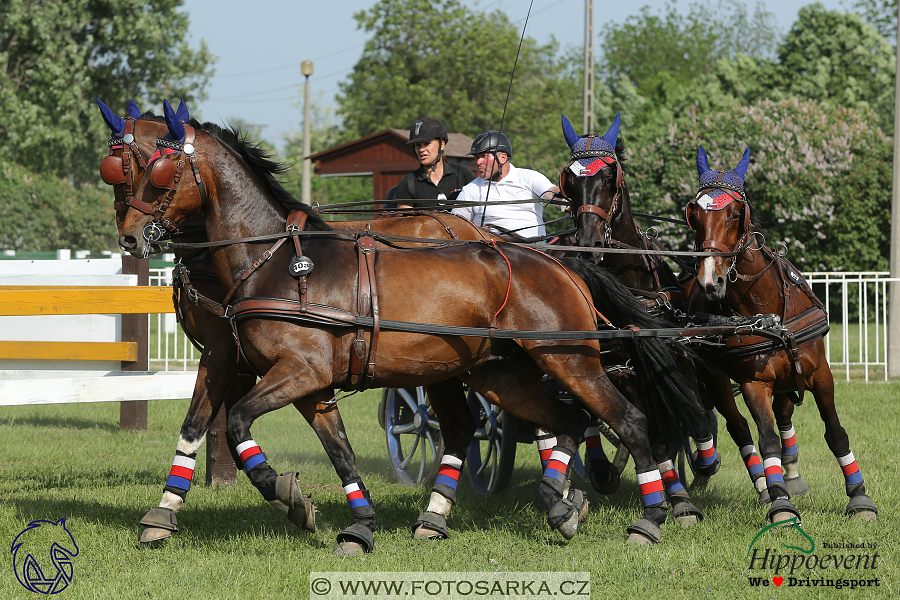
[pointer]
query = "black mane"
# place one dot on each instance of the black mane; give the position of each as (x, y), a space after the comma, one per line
(260, 162)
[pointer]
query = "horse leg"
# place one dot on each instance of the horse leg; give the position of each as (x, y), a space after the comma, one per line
(605, 477)
(838, 441)
(757, 395)
(325, 419)
(279, 387)
(457, 429)
(215, 384)
(515, 386)
(783, 408)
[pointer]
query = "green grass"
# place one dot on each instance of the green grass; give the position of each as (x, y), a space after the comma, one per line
(72, 461)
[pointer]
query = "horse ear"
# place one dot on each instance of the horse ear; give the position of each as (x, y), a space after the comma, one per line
(741, 168)
(702, 162)
(176, 129)
(113, 121)
(569, 132)
(133, 111)
(613, 133)
(182, 112)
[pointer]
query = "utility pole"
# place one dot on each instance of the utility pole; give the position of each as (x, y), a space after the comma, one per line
(306, 69)
(588, 122)
(893, 355)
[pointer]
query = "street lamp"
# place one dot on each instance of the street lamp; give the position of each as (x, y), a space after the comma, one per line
(306, 69)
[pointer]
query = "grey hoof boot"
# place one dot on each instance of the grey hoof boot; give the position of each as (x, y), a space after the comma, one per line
(796, 486)
(782, 511)
(356, 539)
(301, 511)
(861, 507)
(159, 524)
(430, 526)
(563, 517)
(644, 532)
(684, 511)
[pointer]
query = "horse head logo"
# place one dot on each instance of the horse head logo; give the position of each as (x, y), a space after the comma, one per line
(42, 556)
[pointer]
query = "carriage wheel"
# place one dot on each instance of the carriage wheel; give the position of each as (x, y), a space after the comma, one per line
(413, 434)
(492, 452)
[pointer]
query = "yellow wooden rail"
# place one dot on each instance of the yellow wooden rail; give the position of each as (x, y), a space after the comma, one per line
(124, 351)
(86, 300)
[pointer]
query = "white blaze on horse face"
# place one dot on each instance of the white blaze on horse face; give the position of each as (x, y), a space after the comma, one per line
(711, 279)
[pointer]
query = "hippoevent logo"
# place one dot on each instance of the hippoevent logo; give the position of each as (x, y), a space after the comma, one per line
(42, 556)
(838, 565)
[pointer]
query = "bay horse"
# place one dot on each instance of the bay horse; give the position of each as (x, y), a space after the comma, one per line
(758, 281)
(219, 383)
(594, 183)
(498, 289)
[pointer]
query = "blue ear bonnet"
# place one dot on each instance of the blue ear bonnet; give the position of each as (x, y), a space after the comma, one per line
(605, 144)
(733, 177)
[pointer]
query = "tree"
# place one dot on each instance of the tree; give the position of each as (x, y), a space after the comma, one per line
(439, 58)
(819, 178)
(838, 59)
(57, 56)
(881, 14)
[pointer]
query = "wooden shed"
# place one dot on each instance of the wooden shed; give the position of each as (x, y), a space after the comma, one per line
(385, 157)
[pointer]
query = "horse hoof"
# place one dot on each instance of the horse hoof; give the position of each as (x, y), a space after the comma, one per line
(155, 534)
(425, 533)
(640, 540)
(569, 527)
(796, 486)
(687, 520)
(349, 549)
(861, 507)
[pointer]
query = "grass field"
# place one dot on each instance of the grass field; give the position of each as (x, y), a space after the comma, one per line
(73, 462)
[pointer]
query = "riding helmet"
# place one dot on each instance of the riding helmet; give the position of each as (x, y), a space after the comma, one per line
(427, 129)
(491, 141)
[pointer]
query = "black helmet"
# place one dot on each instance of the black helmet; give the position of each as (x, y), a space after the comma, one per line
(491, 141)
(427, 129)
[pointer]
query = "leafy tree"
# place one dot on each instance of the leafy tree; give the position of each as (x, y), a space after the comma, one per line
(838, 59)
(819, 177)
(56, 56)
(43, 212)
(440, 58)
(881, 14)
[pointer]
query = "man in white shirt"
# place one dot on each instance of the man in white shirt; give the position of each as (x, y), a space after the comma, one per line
(499, 180)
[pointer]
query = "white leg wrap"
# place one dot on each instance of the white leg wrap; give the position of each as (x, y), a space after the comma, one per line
(791, 470)
(439, 504)
(172, 501)
(760, 484)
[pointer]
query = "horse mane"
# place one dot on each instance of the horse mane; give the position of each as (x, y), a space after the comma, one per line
(621, 153)
(260, 162)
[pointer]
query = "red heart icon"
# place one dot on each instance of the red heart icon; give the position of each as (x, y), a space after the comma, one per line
(777, 581)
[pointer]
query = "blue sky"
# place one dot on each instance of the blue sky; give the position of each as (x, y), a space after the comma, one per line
(261, 44)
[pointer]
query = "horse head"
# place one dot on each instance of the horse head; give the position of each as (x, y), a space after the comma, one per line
(132, 141)
(166, 194)
(593, 181)
(720, 219)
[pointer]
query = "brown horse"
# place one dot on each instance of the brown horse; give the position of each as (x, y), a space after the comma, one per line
(218, 381)
(594, 183)
(488, 287)
(758, 281)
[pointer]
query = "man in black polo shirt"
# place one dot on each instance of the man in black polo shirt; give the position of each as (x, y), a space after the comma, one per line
(435, 179)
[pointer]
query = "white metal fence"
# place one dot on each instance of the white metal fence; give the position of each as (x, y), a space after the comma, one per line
(856, 346)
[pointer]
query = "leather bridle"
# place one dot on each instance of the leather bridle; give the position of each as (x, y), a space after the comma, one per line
(608, 158)
(166, 175)
(116, 170)
(738, 195)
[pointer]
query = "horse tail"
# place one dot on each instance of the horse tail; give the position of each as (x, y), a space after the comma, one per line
(665, 370)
